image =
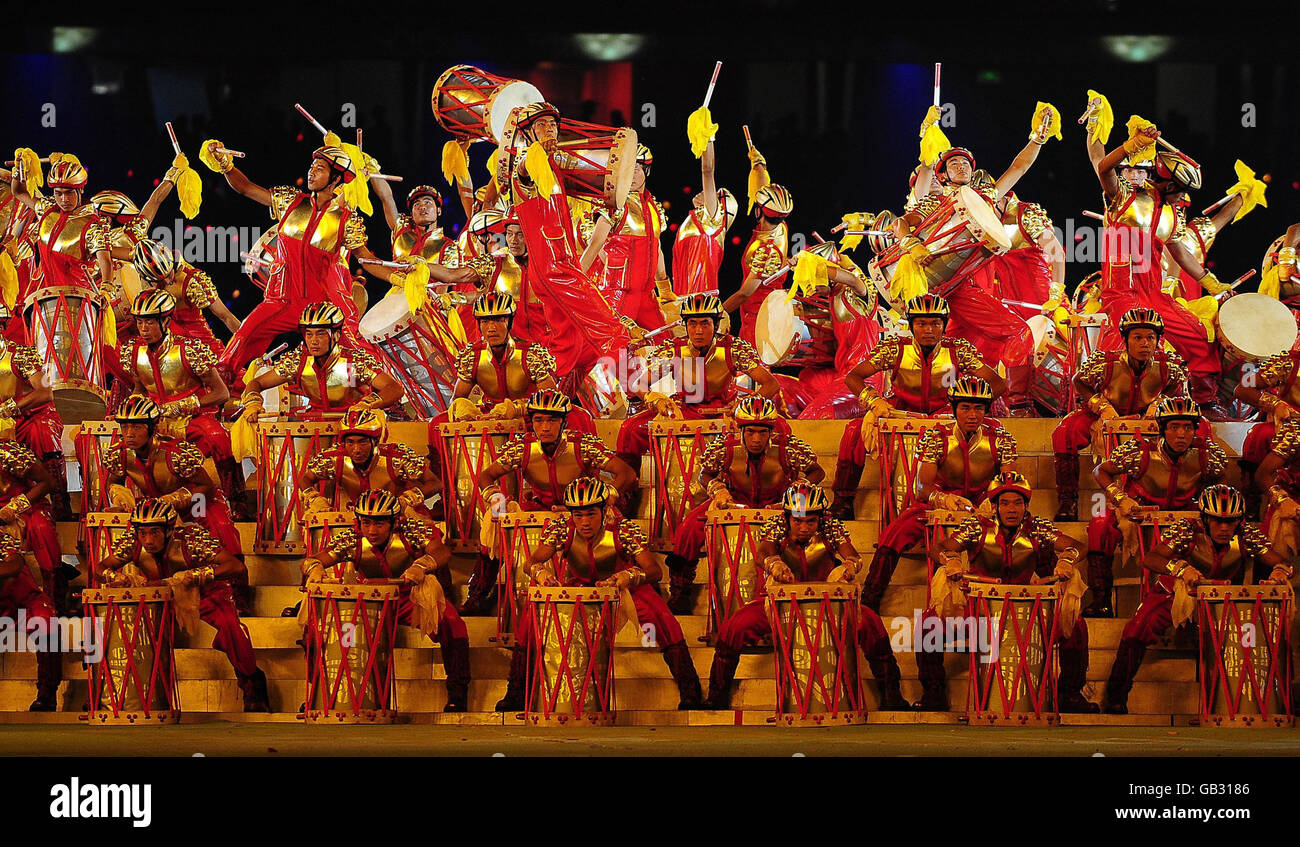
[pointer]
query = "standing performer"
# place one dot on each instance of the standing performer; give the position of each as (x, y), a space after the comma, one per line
(190, 288)
(767, 251)
(1013, 546)
(72, 241)
(920, 368)
(25, 515)
(594, 552)
(159, 549)
(702, 237)
(752, 469)
(26, 404)
(1220, 546)
(804, 544)
(385, 545)
(955, 464)
(313, 228)
(1165, 473)
(1113, 384)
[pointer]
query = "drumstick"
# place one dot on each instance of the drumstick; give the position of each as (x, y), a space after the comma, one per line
(270, 355)
(1038, 307)
(175, 144)
(937, 66)
(307, 115)
(1093, 105)
(258, 260)
(386, 177)
(708, 95)
(661, 330)
(749, 142)
(384, 264)
(867, 232)
(1217, 203)
(1087, 213)
(820, 240)
(44, 161)
(359, 147)
(1226, 293)
(235, 153)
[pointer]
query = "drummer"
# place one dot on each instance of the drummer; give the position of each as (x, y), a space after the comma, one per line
(72, 240)
(19, 591)
(595, 546)
(921, 368)
(749, 469)
(384, 546)
(27, 410)
(1219, 546)
(702, 238)
(160, 550)
(180, 375)
(1165, 473)
(1114, 384)
(1015, 547)
(25, 514)
(331, 375)
(804, 544)
(1279, 476)
(1274, 390)
(763, 261)
(1279, 276)
(704, 355)
(955, 462)
(191, 288)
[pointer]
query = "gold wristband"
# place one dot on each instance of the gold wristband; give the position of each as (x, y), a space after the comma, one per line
(20, 504)
(1176, 566)
(9, 408)
(1268, 402)
(638, 576)
(1286, 256)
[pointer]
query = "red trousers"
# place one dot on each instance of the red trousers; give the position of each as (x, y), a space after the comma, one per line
(40, 430)
(1074, 432)
(217, 609)
(1153, 617)
(20, 591)
(650, 610)
(997, 334)
(750, 624)
(1257, 441)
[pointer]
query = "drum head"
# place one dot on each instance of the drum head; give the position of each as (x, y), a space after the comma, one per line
(982, 213)
(622, 167)
(386, 314)
(508, 97)
(776, 329)
(1256, 326)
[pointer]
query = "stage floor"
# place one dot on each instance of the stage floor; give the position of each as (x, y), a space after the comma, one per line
(227, 738)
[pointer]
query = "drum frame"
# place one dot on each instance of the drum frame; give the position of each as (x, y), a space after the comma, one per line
(845, 698)
(463, 502)
(279, 530)
(1085, 334)
(517, 535)
(383, 679)
(728, 558)
(84, 369)
(159, 628)
(94, 527)
(668, 454)
(540, 706)
(461, 129)
(92, 443)
(320, 528)
(898, 439)
(573, 133)
(938, 523)
(981, 710)
(1214, 634)
(414, 338)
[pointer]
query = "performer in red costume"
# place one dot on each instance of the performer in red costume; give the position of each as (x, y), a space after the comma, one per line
(768, 249)
(72, 240)
(26, 405)
(701, 239)
(189, 287)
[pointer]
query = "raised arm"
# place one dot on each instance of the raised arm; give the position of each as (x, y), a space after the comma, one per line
(385, 194)
(707, 162)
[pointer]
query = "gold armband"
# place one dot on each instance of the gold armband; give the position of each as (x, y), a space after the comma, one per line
(20, 504)
(1286, 256)
(1176, 566)
(868, 394)
(1268, 402)
(715, 485)
(1095, 402)
(772, 562)
(9, 408)
(251, 398)
(1116, 492)
(638, 576)
(189, 405)
(178, 498)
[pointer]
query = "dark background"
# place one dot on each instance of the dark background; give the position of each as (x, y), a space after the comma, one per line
(832, 93)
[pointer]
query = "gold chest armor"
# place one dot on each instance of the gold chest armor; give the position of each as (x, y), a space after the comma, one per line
(389, 563)
(430, 250)
(537, 470)
(68, 239)
(336, 382)
(970, 469)
(10, 382)
(719, 380)
(1162, 475)
(907, 378)
(1014, 562)
(591, 562)
(1120, 386)
(174, 379)
(809, 563)
(328, 232)
(1141, 213)
(517, 381)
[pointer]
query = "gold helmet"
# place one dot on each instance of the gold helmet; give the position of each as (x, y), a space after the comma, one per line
(525, 115)
(322, 314)
(827, 250)
(549, 401)
(154, 513)
(586, 491)
(487, 221)
(927, 306)
(377, 503)
(644, 157)
(113, 203)
(804, 497)
(1178, 167)
(1175, 409)
(372, 423)
(68, 173)
(1141, 318)
(153, 261)
(5, 312)
(1221, 501)
(338, 160)
(756, 410)
(494, 304)
(1009, 481)
(153, 303)
(423, 191)
(775, 199)
(137, 409)
(727, 202)
(701, 306)
(970, 389)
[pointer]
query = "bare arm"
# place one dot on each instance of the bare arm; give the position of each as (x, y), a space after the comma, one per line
(245, 186)
(767, 384)
(388, 389)
(227, 318)
(707, 163)
(856, 379)
(385, 194)
(150, 209)
(1019, 167)
(995, 381)
(1224, 216)
(217, 393)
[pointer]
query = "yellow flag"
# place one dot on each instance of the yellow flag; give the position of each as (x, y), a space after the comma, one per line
(1135, 125)
(810, 273)
(110, 327)
(455, 164)
(538, 165)
(415, 285)
(700, 130)
(1271, 284)
(933, 145)
(909, 280)
(1250, 189)
(1053, 122)
(189, 191)
(1105, 118)
(758, 177)
(1205, 309)
(8, 280)
(243, 438)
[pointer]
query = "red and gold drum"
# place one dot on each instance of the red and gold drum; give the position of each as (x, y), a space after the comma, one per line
(518, 534)
(676, 450)
(351, 632)
(134, 682)
(420, 348)
(92, 442)
(284, 448)
(473, 104)
(65, 324)
(321, 527)
(1012, 665)
(467, 448)
(1245, 654)
(571, 681)
(731, 544)
(101, 530)
(899, 463)
(596, 163)
(1116, 431)
(1047, 383)
(815, 640)
(1085, 335)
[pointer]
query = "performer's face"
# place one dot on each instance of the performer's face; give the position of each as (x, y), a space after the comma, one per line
(588, 522)
(1142, 343)
(638, 177)
(545, 128)
(804, 527)
(699, 332)
(67, 199)
(927, 331)
(515, 242)
(152, 539)
(547, 427)
(1222, 529)
(424, 212)
(1011, 509)
(1134, 176)
(359, 447)
(318, 175)
(969, 416)
(1179, 435)
(495, 331)
(150, 329)
(376, 530)
(135, 435)
(318, 340)
(757, 438)
(958, 170)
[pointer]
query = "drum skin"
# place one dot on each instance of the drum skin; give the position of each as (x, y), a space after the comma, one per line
(1252, 327)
